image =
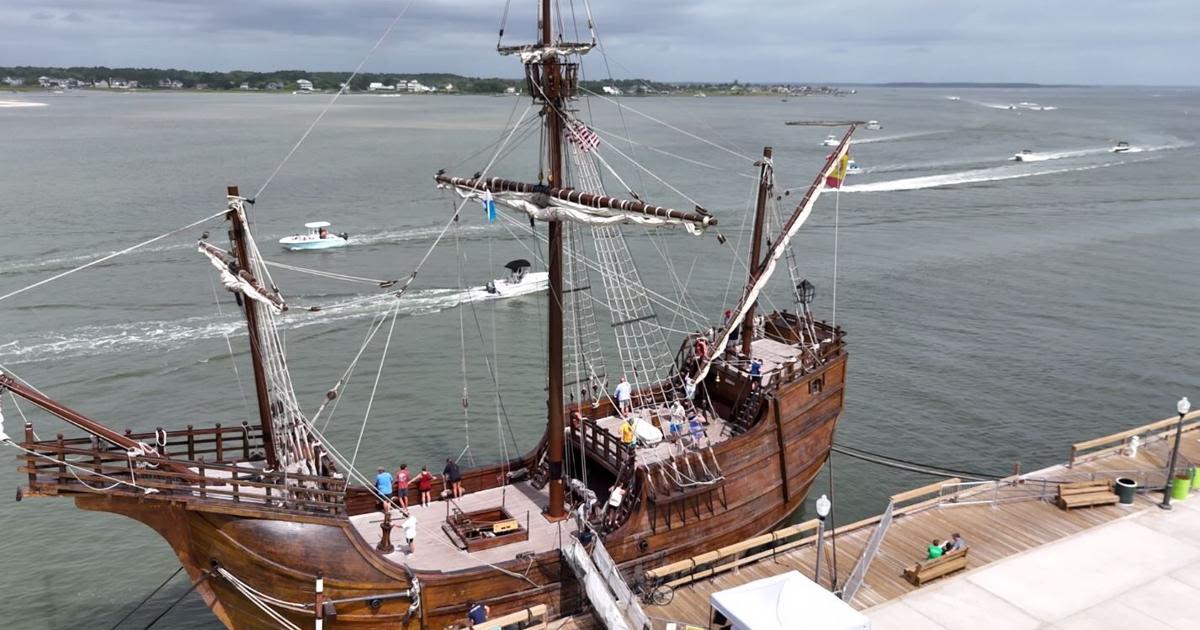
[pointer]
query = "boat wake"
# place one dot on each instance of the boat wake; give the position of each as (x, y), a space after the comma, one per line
(15, 104)
(1022, 106)
(171, 335)
(370, 238)
(996, 174)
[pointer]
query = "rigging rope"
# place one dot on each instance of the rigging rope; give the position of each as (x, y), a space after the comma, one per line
(374, 388)
(204, 575)
(111, 256)
(669, 125)
(329, 274)
(341, 90)
(146, 599)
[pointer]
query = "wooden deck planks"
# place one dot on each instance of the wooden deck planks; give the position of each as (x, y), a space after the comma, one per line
(993, 531)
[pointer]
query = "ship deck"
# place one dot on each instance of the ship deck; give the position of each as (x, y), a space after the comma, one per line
(714, 433)
(435, 550)
(1007, 522)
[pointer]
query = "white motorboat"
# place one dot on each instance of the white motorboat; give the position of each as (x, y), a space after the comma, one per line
(829, 141)
(953, 98)
(318, 237)
(852, 168)
(1024, 155)
(520, 281)
(1121, 147)
(873, 125)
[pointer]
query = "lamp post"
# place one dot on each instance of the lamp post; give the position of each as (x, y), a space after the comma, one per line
(823, 506)
(1182, 407)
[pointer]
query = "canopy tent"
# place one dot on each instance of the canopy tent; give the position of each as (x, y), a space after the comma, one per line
(788, 601)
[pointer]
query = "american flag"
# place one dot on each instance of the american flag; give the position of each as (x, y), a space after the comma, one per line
(583, 137)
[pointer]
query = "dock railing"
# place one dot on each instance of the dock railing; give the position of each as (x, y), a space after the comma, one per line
(1162, 430)
(782, 540)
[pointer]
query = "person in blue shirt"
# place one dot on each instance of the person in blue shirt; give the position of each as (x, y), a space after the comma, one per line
(383, 483)
(756, 373)
(478, 613)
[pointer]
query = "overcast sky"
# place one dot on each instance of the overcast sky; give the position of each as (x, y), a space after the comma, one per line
(1047, 41)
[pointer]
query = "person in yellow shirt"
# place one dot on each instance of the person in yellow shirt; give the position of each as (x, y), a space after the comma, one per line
(628, 433)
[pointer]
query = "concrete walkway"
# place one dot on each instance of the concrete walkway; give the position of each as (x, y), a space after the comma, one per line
(1140, 572)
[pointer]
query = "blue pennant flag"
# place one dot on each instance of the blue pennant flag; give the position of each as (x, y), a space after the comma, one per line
(489, 206)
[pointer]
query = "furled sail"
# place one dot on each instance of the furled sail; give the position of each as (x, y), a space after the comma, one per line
(238, 280)
(830, 175)
(549, 203)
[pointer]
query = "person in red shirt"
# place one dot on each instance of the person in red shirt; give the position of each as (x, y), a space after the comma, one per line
(425, 484)
(403, 481)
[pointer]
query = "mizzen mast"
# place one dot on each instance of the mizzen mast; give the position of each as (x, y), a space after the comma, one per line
(760, 215)
(237, 236)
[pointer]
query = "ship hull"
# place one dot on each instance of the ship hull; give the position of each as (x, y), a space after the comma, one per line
(768, 472)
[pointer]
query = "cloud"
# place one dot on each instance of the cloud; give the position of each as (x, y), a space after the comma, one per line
(1108, 41)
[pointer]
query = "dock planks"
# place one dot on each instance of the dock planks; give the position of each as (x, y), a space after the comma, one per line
(996, 524)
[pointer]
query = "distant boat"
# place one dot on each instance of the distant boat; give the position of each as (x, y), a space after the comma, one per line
(1121, 147)
(953, 98)
(1024, 155)
(852, 168)
(829, 141)
(873, 125)
(318, 237)
(520, 281)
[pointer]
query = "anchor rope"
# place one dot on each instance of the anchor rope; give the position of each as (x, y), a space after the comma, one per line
(146, 599)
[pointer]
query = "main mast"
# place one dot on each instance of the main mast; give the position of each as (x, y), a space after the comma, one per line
(553, 98)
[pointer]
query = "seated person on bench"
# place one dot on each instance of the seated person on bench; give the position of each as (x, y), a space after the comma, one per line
(935, 550)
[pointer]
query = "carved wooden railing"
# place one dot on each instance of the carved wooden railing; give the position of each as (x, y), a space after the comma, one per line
(600, 443)
(88, 465)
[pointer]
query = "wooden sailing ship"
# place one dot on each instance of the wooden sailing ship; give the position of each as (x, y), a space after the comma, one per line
(275, 530)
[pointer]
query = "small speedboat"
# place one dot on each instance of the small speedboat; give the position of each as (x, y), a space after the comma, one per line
(829, 141)
(1025, 155)
(520, 281)
(318, 237)
(852, 168)
(1121, 147)
(873, 125)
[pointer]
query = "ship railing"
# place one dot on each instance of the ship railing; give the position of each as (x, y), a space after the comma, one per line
(601, 443)
(217, 443)
(1155, 431)
(88, 466)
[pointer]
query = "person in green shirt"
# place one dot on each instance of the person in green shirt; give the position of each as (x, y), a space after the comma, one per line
(935, 550)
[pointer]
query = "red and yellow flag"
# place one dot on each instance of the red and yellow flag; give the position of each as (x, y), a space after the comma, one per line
(838, 173)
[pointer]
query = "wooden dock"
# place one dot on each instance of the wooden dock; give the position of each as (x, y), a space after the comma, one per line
(997, 519)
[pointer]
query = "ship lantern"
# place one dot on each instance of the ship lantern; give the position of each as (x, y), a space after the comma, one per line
(805, 292)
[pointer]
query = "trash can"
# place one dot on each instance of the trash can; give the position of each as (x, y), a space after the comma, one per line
(1180, 486)
(1126, 489)
(1196, 478)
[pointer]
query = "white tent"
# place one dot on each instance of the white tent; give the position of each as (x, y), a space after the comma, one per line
(788, 601)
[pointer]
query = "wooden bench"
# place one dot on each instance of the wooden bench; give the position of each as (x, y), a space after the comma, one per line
(1086, 493)
(929, 570)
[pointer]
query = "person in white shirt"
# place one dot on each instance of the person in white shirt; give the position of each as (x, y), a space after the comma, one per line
(624, 395)
(410, 532)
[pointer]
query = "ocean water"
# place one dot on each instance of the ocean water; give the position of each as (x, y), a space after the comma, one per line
(997, 311)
